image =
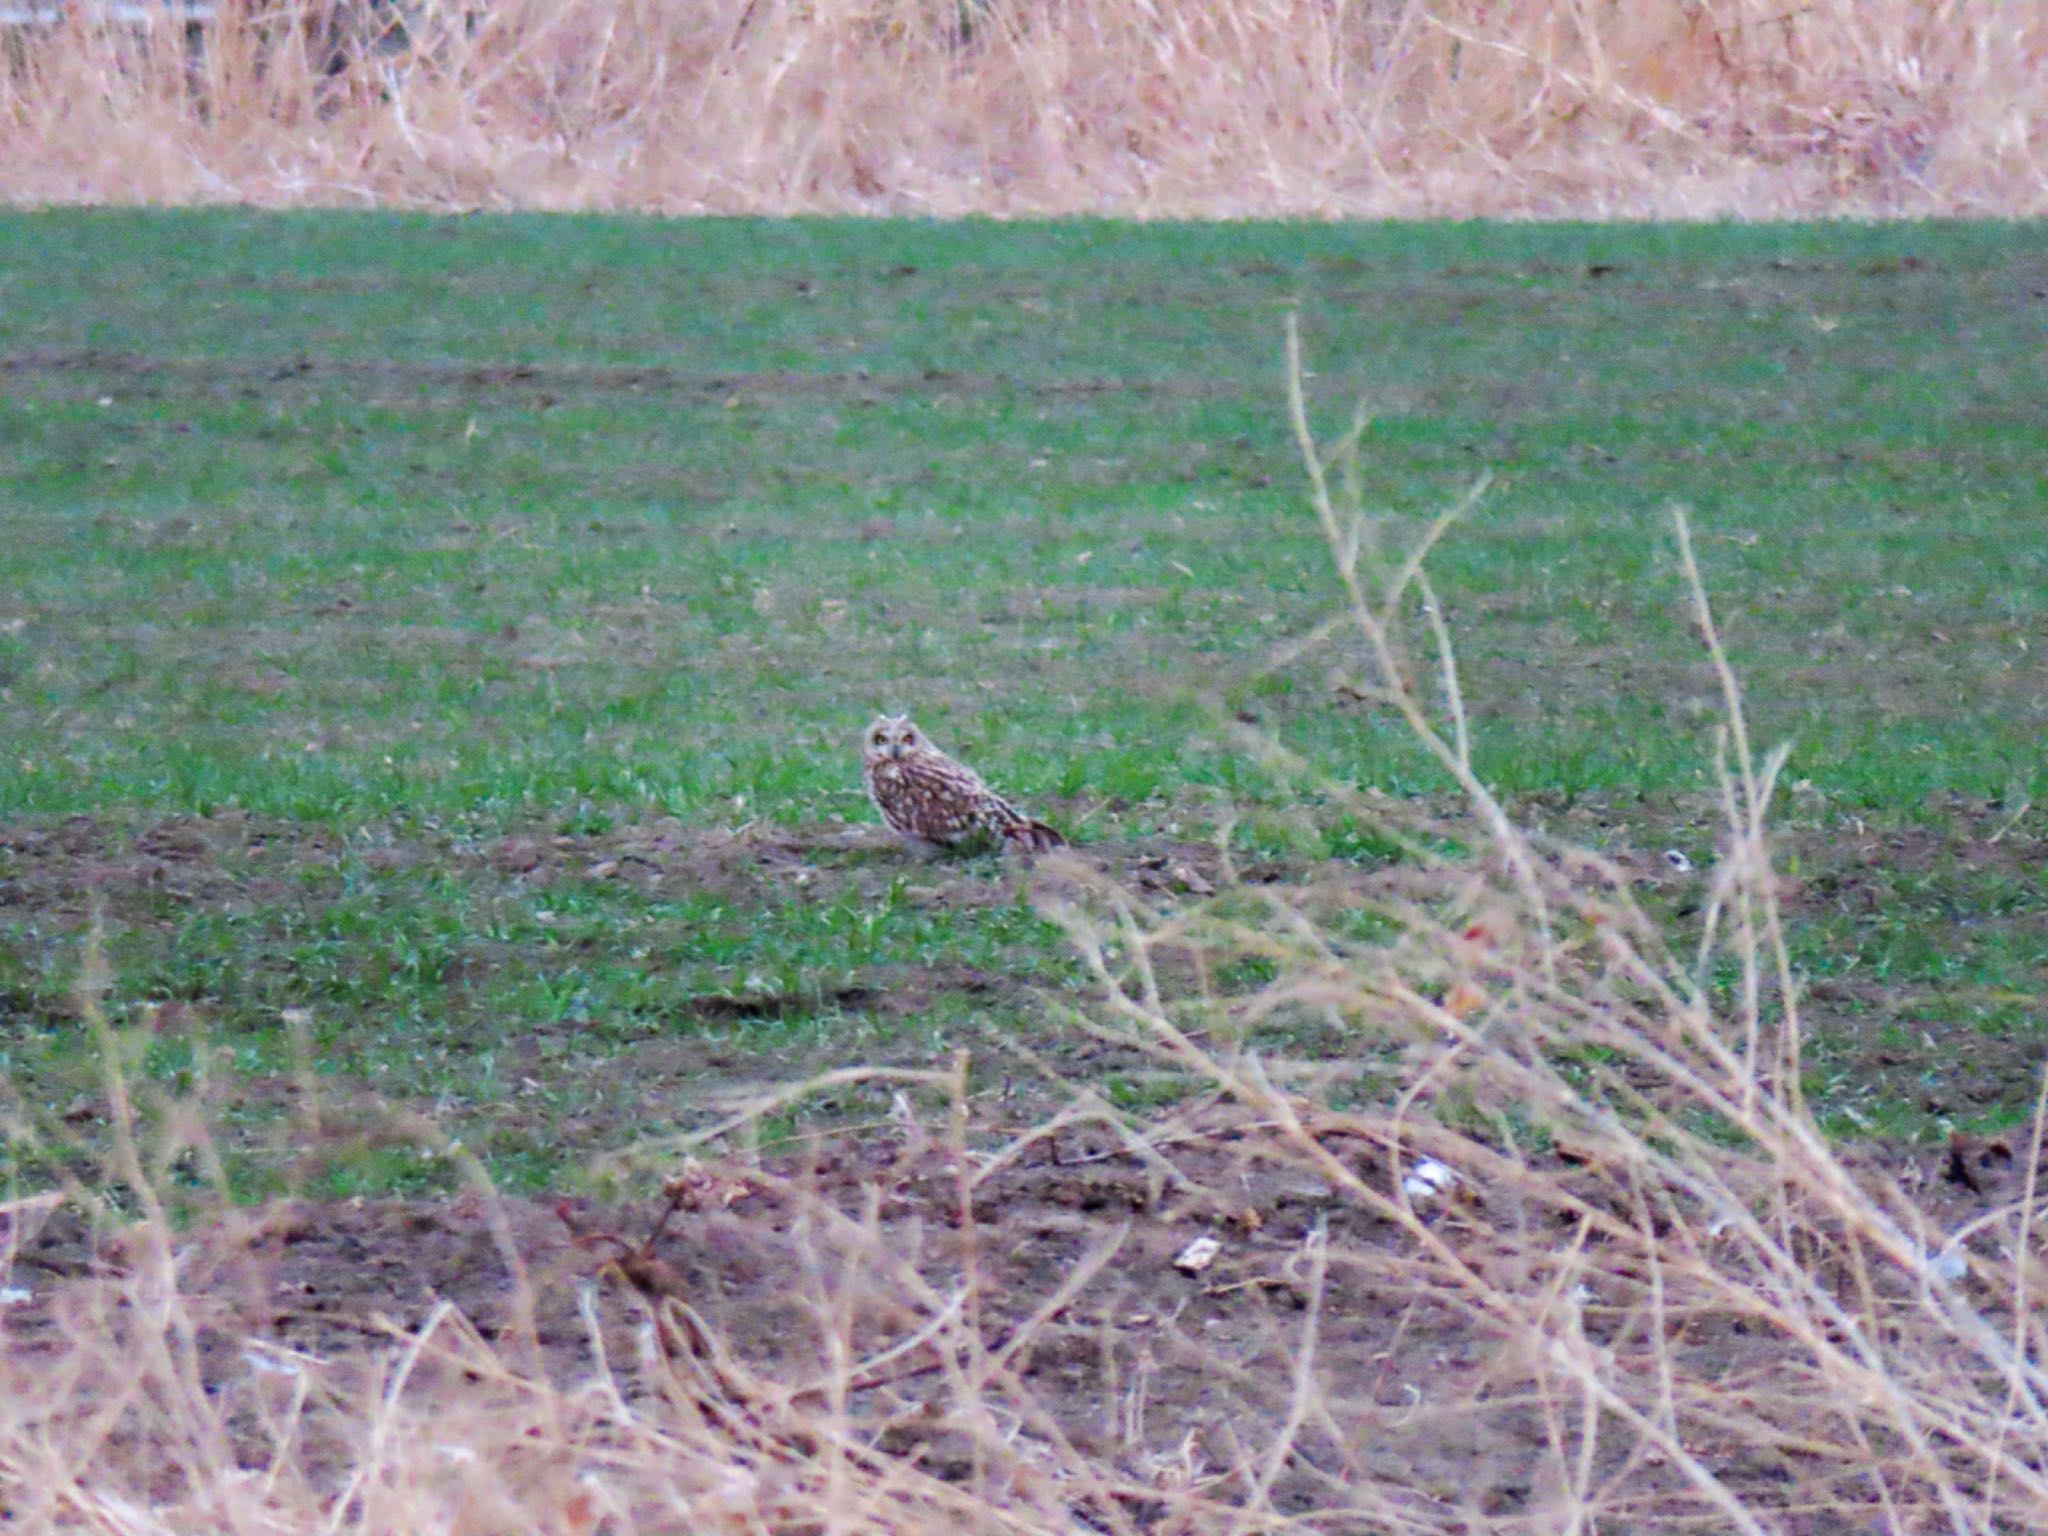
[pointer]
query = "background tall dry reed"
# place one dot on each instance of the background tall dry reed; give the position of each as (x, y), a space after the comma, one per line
(1241, 108)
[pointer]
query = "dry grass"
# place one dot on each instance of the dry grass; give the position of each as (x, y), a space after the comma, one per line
(1667, 1267)
(1246, 108)
(1631, 1153)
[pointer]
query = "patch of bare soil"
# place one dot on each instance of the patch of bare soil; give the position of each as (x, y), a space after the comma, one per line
(151, 878)
(57, 869)
(751, 860)
(1159, 1365)
(60, 871)
(143, 376)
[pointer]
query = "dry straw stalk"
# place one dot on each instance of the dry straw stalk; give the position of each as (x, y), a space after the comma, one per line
(1237, 108)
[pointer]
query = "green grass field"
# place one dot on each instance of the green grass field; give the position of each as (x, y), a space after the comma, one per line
(455, 633)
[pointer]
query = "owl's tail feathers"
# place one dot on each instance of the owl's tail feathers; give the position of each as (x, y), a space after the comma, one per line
(1032, 836)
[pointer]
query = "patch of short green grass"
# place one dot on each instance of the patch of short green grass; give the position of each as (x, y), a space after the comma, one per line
(397, 536)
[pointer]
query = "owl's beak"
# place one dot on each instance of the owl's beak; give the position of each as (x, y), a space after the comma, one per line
(896, 750)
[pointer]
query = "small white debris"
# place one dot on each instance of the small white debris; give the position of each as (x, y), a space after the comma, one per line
(15, 1296)
(271, 1365)
(1582, 1293)
(738, 1492)
(1679, 863)
(1429, 1179)
(1198, 1255)
(1949, 1264)
(104, 401)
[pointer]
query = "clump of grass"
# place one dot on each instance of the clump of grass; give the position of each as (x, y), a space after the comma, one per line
(1233, 110)
(1589, 1159)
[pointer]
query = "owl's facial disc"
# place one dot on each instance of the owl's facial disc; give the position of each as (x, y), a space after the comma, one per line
(889, 736)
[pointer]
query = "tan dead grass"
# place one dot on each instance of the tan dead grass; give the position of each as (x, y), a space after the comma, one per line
(1242, 108)
(1590, 1146)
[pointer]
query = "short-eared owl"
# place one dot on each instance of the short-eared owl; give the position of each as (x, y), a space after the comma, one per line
(926, 797)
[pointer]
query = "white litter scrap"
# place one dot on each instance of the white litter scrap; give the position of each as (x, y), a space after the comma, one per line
(15, 1296)
(1430, 1180)
(1679, 863)
(1198, 1255)
(1951, 1263)
(266, 1359)
(269, 1365)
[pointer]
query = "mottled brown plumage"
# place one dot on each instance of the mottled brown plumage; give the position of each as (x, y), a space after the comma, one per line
(928, 798)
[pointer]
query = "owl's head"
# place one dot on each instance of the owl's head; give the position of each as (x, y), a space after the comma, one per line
(891, 736)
